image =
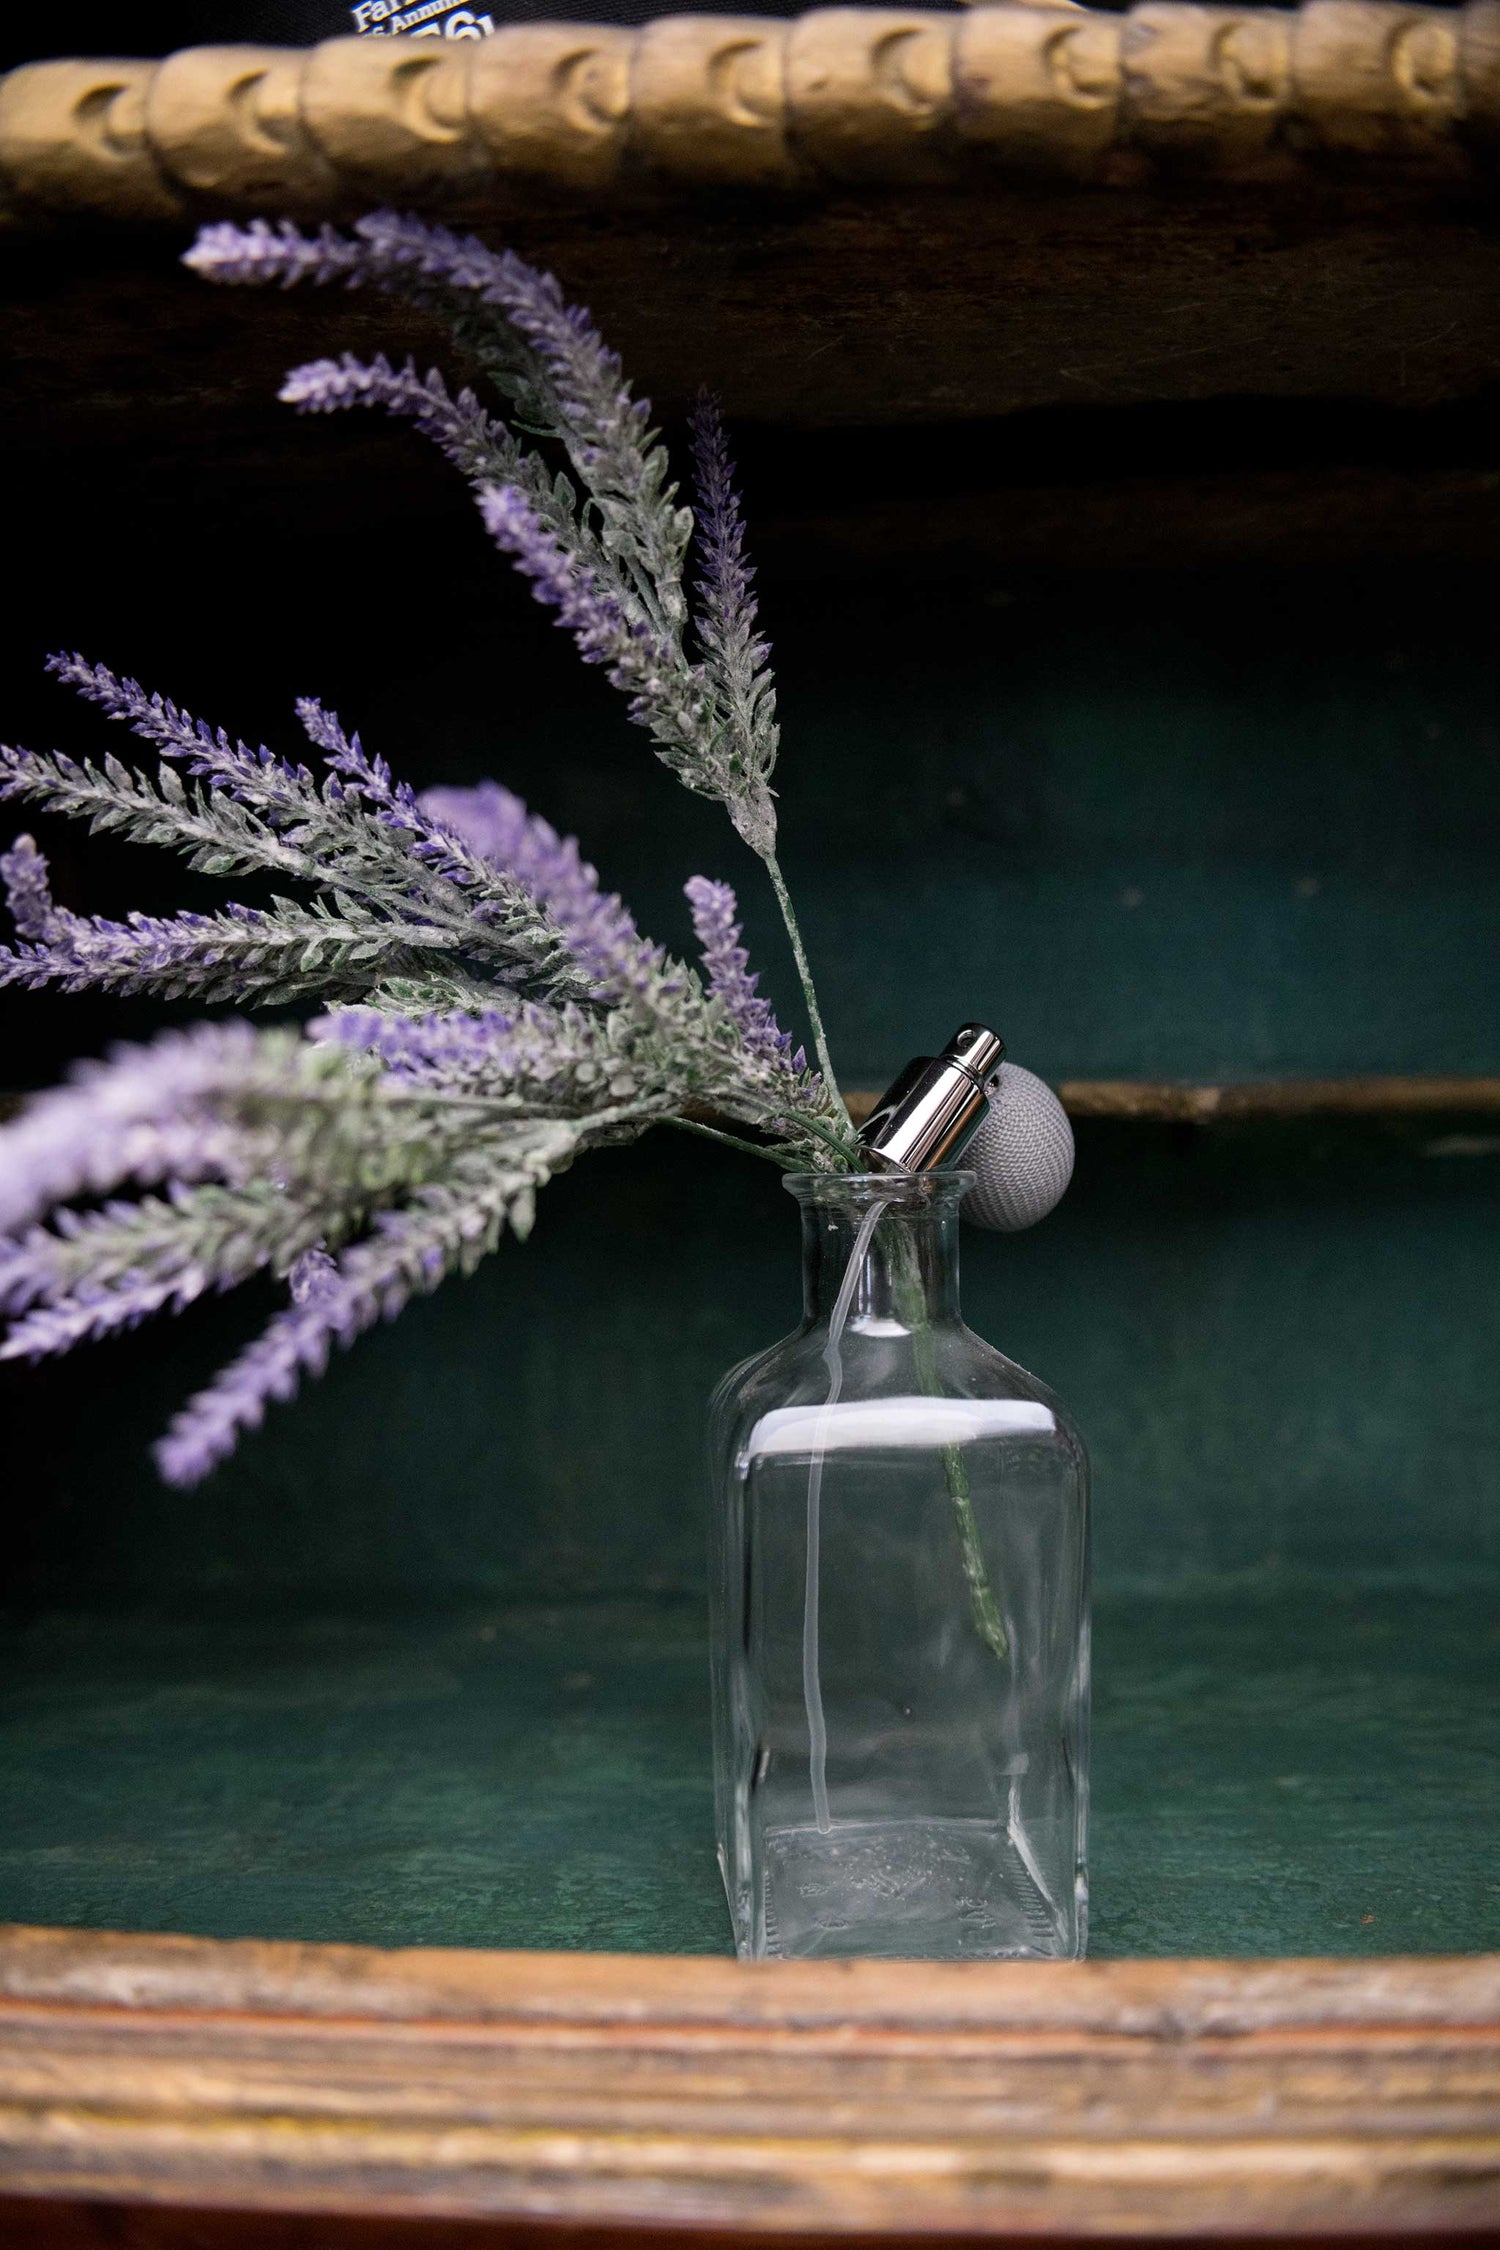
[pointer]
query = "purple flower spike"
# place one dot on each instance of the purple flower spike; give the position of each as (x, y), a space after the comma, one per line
(666, 696)
(593, 615)
(431, 1048)
(335, 1300)
(296, 1343)
(144, 1116)
(259, 253)
(471, 439)
(725, 578)
(28, 893)
(598, 931)
(729, 978)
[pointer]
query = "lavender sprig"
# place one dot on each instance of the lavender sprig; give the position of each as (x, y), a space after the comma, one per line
(714, 909)
(668, 696)
(139, 1117)
(727, 620)
(114, 1268)
(491, 1011)
(244, 810)
(479, 445)
(259, 255)
(537, 1063)
(28, 893)
(623, 552)
(597, 929)
(474, 441)
(544, 353)
(244, 953)
(445, 1230)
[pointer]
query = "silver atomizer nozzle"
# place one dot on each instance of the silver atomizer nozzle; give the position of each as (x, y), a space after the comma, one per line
(928, 1115)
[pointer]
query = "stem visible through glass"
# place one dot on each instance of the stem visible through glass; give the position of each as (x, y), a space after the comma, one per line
(911, 1302)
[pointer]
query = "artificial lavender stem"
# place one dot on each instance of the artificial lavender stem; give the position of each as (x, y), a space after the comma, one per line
(809, 992)
(781, 1157)
(912, 1304)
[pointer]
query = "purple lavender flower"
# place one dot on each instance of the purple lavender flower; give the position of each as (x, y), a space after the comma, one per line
(596, 928)
(408, 1253)
(140, 1116)
(442, 846)
(208, 752)
(666, 693)
(587, 379)
(432, 1048)
(239, 954)
(620, 591)
(90, 1314)
(565, 377)
(145, 953)
(431, 263)
(28, 894)
(313, 1275)
(296, 1343)
(368, 777)
(729, 978)
(729, 619)
(365, 1177)
(472, 439)
(258, 254)
(728, 628)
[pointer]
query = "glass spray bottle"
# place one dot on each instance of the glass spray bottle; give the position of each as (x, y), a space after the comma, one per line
(899, 1586)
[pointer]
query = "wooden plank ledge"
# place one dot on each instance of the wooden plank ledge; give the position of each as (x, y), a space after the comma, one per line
(1146, 1101)
(838, 98)
(1103, 2099)
(1152, 1102)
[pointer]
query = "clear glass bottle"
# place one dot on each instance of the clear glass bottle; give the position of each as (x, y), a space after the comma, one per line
(900, 1611)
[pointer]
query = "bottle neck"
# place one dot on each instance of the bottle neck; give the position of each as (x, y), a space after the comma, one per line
(908, 1272)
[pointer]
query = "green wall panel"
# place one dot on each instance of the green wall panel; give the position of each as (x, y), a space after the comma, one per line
(1280, 1344)
(1236, 827)
(1224, 826)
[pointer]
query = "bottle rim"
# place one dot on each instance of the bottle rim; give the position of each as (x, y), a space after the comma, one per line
(903, 1191)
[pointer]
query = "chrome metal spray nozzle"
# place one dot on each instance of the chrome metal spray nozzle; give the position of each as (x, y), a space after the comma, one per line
(927, 1117)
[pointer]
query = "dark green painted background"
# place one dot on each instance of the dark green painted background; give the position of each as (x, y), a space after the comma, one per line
(1281, 1347)
(426, 1662)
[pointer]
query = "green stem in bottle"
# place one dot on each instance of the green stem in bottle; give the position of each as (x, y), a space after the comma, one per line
(912, 1302)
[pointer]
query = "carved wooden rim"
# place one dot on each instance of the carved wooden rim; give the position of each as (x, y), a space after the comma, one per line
(839, 98)
(1108, 2098)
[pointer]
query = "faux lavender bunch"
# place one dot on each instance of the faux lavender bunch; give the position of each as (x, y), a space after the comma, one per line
(487, 1010)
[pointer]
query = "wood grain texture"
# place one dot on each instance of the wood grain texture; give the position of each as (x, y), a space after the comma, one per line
(871, 306)
(861, 2097)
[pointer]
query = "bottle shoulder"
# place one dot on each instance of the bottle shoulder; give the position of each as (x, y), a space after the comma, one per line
(881, 1359)
(999, 1377)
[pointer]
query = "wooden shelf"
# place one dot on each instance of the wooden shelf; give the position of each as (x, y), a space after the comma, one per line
(1139, 1101)
(856, 217)
(1168, 2100)
(1144, 1103)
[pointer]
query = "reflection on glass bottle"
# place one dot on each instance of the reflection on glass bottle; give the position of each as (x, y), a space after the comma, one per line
(900, 1587)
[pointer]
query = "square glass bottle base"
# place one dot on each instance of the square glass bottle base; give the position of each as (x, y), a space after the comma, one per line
(929, 1889)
